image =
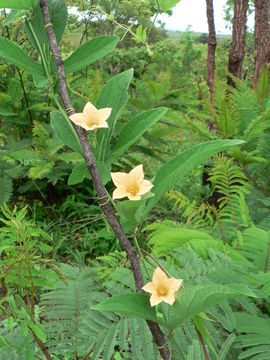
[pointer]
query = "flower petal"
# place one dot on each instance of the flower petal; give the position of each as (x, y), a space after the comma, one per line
(134, 197)
(89, 110)
(119, 193)
(174, 284)
(155, 299)
(169, 299)
(78, 118)
(149, 287)
(101, 125)
(103, 114)
(136, 174)
(159, 277)
(120, 179)
(145, 187)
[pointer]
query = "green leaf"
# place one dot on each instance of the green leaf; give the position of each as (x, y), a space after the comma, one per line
(131, 305)
(17, 4)
(202, 329)
(90, 52)
(127, 211)
(114, 95)
(6, 112)
(40, 170)
(195, 299)
(140, 34)
(16, 56)
(165, 5)
(226, 347)
(65, 131)
(13, 16)
(181, 165)
(79, 173)
(39, 332)
(3, 342)
(5, 188)
(58, 14)
(135, 128)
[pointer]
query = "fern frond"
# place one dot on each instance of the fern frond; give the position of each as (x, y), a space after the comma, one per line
(198, 215)
(6, 189)
(40, 136)
(255, 246)
(254, 338)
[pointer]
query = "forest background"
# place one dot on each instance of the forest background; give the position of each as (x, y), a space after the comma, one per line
(192, 108)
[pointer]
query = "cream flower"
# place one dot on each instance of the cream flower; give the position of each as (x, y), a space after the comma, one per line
(162, 288)
(91, 118)
(131, 185)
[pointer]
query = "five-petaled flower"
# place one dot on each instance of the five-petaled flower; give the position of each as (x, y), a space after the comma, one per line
(131, 185)
(91, 118)
(162, 288)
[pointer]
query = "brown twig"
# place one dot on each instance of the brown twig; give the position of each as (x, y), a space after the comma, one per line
(267, 257)
(97, 182)
(41, 345)
(206, 354)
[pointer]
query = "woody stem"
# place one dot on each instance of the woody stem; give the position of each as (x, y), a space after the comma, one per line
(105, 205)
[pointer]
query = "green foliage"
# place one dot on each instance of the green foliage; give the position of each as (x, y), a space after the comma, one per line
(90, 52)
(113, 95)
(58, 15)
(5, 188)
(17, 4)
(131, 305)
(65, 131)
(179, 166)
(211, 229)
(135, 128)
(24, 265)
(165, 5)
(12, 53)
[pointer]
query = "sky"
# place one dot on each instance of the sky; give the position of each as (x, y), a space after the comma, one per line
(193, 12)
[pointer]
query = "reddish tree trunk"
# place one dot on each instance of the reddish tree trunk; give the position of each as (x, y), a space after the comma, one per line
(212, 43)
(262, 36)
(237, 51)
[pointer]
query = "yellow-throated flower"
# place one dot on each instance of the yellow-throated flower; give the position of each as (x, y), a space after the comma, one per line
(91, 118)
(131, 185)
(162, 288)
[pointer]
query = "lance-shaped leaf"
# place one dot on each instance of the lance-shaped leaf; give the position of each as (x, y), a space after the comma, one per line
(114, 95)
(181, 165)
(135, 128)
(197, 298)
(165, 5)
(17, 4)
(12, 16)
(90, 52)
(131, 305)
(65, 131)
(58, 14)
(12, 53)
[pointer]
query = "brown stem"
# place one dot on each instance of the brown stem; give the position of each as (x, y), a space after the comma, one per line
(212, 43)
(25, 97)
(206, 355)
(41, 345)
(97, 182)
(267, 257)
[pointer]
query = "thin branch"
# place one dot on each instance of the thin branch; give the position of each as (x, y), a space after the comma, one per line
(41, 345)
(105, 205)
(267, 257)
(206, 354)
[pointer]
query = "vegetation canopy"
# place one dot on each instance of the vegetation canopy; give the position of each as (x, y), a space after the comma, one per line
(134, 183)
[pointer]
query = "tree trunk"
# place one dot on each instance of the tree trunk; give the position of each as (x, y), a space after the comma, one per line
(237, 51)
(212, 43)
(262, 36)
